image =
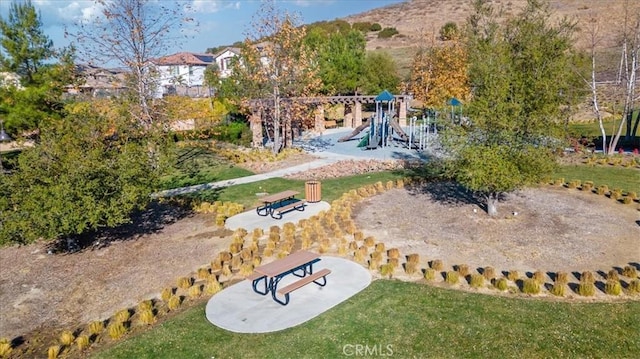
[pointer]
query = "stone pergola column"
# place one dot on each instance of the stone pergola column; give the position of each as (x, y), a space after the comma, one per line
(255, 124)
(357, 114)
(319, 118)
(402, 115)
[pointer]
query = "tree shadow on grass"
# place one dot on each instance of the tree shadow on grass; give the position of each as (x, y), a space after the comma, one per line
(148, 221)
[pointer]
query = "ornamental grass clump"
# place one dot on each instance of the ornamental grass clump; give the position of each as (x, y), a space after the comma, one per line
(463, 270)
(195, 291)
(613, 275)
(602, 190)
(380, 247)
(386, 270)
(452, 277)
(82, 342)
(586, 288)
(513, 275)
(5, 347)
(122, 316)
(96, 327)
(184, 282)
(146, 317)
(587, 277)
(369, 241)
(437, 264)
(67, 338)
(174, 302)
(530, 286)
(53, 351)
(411, 267)
(476, 280)
(166, 294)
(613, 287)
(630, 272)
(489, 273)
(430, 274)
(587, 186)
(203, 273)
(539, 276)
(500, 283)
(558, 289)
(212, 286)
(634, 286)
(562, 278)
(116, 330)
(393, 253)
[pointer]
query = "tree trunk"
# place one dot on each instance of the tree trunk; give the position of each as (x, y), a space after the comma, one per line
(492, 204)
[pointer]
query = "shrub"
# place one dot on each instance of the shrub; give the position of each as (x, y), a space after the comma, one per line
(437, 264)
(500, 283)
(67, 338)
(558, 289)
(375, 27)
(96, 327)
(117, 330)
(632, 195)
(449, 31)
(476, 281)
(393, 253)
(586, 289)
(452, 277)
(430, 274)
(634, 286)
(411, 267)
(387, 32)
(146, 317)
(82, 341)
(5, 347)
(53, 351)
(587, 186)
(513, 275)
(489, 273)
(630, 272)
(602, 190)
(413, 258)
(379, 247)
(226, 270)
(530, 286)
(613, 287)
(627, 200)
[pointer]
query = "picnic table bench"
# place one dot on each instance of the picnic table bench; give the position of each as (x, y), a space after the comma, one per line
(279, 203)
(265, 279)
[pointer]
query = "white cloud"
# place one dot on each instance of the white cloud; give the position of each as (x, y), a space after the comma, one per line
(206, 6)
(307, 3)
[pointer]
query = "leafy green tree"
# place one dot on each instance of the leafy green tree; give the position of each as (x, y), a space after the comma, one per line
(29, 53)
(341, 58)
(26, 46)
(82, 176)
(380, 73)
(520, 73)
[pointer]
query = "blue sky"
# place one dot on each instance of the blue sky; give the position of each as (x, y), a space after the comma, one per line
(221, 22)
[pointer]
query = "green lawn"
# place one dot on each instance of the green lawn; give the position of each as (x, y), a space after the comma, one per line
(627, 179)
(332, 189)
(407, 320)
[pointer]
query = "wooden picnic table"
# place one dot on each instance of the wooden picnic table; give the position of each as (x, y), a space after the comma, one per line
(300, 264)
(280, 202)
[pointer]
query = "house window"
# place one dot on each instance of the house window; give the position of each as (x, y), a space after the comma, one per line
(174, 70)
(226, 63)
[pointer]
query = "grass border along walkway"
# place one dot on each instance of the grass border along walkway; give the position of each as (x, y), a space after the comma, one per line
(408, 320)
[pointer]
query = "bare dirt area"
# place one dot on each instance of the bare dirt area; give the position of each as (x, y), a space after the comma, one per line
(549, 229)
(59, 291)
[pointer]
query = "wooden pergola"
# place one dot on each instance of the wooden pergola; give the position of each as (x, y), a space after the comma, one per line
(354, 102)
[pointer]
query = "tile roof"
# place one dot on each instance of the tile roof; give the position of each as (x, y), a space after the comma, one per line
(186, 58)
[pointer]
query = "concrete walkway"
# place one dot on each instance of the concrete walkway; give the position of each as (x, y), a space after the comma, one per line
(241, 310)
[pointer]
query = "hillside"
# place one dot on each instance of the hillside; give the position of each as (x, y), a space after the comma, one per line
(419, 21)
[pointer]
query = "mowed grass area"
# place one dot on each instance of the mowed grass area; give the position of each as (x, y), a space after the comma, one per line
(627, 179)
(409, 320)
(332, 189)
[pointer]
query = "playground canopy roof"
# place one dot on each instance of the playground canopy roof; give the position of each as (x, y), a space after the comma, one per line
(454, 102)
(385, 96)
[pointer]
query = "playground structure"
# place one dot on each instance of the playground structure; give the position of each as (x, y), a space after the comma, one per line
(382, 128)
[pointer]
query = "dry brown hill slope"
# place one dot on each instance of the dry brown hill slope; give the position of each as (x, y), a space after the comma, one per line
(415, 18)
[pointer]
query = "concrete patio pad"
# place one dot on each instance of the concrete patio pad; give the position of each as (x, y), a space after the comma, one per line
(241, 310)
(250, 220)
